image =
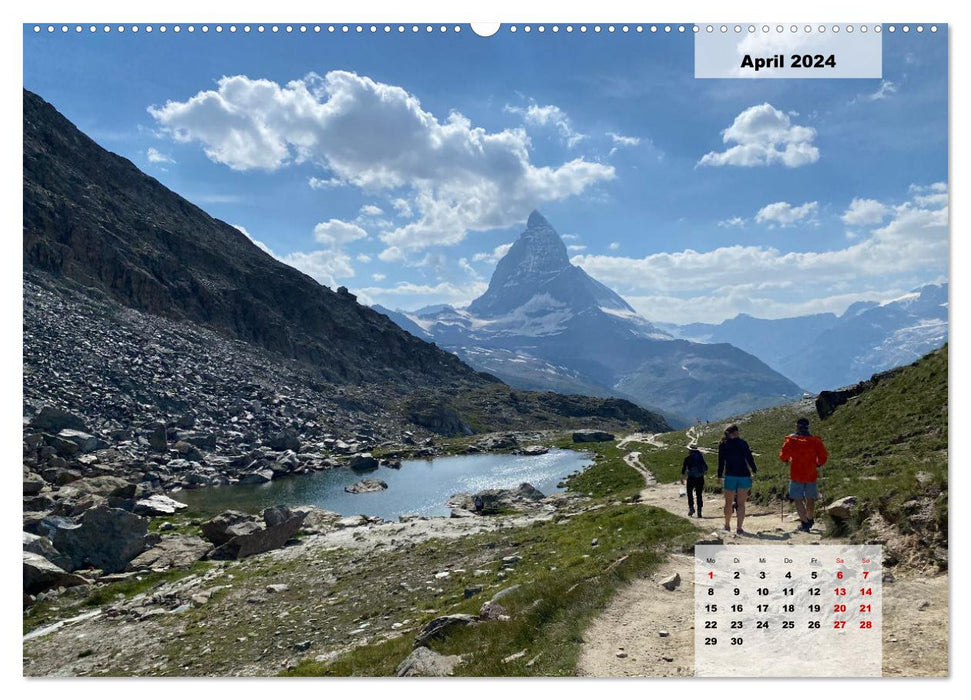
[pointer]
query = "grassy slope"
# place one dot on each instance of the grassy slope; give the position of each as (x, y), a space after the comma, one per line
(878, 442)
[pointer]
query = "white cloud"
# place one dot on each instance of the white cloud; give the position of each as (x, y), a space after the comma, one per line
(494, 256)
(733, 222)
(329, 267)
(864, 212)
(549, 115)
(391, 254)
(410, 295)
(371, 210)
(614, 246)
(765, 136)
(468, 269)
(620, 141)
(402, 208)
(155, 156)
(363, 258)
(336, 233)
(378, 277)
(576, 248)
(317, 183)
(784, 214)
(886, 89)
(458, 177)
(910, 248)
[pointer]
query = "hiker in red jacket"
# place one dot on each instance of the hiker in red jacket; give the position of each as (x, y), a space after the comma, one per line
(804, 453)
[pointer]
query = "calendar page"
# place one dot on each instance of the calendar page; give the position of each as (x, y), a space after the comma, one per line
(788, 611)
(363, 344)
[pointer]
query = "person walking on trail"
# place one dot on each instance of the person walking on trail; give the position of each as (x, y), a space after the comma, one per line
(694, 468)
(736, 466)
(805, 453)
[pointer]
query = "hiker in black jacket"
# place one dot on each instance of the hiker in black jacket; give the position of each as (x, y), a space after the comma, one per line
(695, 468)
(736, 465)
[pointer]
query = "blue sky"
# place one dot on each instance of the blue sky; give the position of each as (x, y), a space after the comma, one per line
(399, 165)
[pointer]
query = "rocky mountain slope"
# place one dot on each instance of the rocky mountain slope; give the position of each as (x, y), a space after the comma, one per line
(162, 349)
(544, 323)
(825, 350)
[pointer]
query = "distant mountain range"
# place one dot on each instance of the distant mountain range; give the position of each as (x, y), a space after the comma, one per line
(544, 323)
(823, 351)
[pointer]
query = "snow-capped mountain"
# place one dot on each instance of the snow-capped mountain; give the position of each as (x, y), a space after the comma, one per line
(824, 351)
(544, 323)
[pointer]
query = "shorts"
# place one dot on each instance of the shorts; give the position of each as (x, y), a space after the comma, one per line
(737, 483)
(799, 490)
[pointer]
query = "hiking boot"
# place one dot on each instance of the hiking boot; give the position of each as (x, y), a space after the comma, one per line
(811, 523)
(804, 526)
(690, 513)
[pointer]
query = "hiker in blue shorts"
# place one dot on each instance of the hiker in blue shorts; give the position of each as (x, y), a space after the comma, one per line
(736, 465)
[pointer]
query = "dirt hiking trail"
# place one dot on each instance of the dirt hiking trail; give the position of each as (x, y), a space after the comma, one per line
(648, 630)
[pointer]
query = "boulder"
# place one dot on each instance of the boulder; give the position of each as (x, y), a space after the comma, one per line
(672, 581)
(441, 626)
(281, 525)
(367, 486)
(85, 441)
(534, 450)
(498, 442)
(107, 539)
(843, 509)
(175, 552)
(40, 574)
(33, 483)
(227, 525)
(261, 476)
(492, 610)
(158, 440)
(351, 521)
(157, 505)
(54, 420)
(318, 520)
(425, 662)
(285, 440)
(38, 544)
(96, 486)
(592, 436)
(363, 462)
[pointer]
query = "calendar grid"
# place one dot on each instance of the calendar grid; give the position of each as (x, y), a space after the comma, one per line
(806, 610)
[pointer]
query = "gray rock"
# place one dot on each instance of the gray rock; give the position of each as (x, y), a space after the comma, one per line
(40, 574)
(157, 505)
(262, 539)
(441, 626)
(318, 520)
(672, 581)
(159, 439)
(843, 509)
(33, 483)
(350, 521)
(95, 485)
(367, 486)
(38, 544)
(422, 661)
(54, 420)
(492, 610)
(261, 476)
(592, 436)
(174, 552)
(277, 588)
(363, 462)
(85, 441)
(534, 450)
(285, 440)
(107, 539)
(227, 525)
